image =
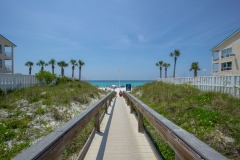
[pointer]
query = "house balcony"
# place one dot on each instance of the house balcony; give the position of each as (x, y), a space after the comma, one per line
(8, 67)
(8, 55)
(226, 69)
(215, 73)
(228, 55)
(215, 59)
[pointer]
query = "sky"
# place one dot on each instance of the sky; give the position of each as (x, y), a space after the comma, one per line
(130, 35)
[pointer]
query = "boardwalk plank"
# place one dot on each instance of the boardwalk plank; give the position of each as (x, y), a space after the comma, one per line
(119, 137)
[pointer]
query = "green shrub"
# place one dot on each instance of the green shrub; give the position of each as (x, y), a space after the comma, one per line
(10, 90)
(45, 76)
(34, 99)
(63, 79)
(14, 123)
(7, 106)
(47, 102)
(40, 111)
(213, 117)
(5, 134)
(57, 115)
(2, 94)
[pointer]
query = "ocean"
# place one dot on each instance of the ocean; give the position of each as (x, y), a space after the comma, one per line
(107, 83)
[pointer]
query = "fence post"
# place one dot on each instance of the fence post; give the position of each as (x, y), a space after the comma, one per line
(233, 83)
(140, 121)
(97, 122)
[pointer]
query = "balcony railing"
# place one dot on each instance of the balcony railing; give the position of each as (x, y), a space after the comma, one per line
(8, 54)
(227, 55)
(226, 68)
(215, 59)
(8, 67)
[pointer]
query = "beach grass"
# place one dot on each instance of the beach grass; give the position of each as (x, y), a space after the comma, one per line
(29, 114)
(212, 117)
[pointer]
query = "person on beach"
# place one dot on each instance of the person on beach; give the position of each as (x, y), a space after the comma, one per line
(120, 93)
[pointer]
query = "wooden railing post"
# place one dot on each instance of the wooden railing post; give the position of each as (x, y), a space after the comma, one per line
(106, 106)
(177, 157)
(60, 157)
(140, 122)
(97, 122)
(131, 107)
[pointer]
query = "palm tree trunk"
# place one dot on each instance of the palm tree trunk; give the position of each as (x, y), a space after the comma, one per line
(165, 72)
(62, 72)
(175, 60)
(52, 69)
(72, 71)
(195, 73)
(160, 72)
(30, 68)
(42, 68)
(80, 72)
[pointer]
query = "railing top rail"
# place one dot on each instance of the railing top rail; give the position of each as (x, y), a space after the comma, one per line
(214, 76)
(56, 138)
(200, 148)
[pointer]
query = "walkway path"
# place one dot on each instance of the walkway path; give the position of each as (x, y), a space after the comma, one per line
(119, 138)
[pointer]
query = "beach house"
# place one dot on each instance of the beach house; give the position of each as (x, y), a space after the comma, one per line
(6, 55)
(226, 56)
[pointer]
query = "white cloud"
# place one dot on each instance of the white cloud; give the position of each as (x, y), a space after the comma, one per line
(125, 40)
(141, 38)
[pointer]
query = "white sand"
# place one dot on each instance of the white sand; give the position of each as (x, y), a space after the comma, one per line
(111, 89)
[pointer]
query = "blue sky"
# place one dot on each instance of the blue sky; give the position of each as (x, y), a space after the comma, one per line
(128, 34)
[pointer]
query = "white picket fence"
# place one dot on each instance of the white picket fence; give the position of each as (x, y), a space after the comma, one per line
(226, 84)
(17, 81)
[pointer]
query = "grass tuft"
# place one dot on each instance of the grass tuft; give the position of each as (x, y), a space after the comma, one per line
(212, 117)
(27, 115)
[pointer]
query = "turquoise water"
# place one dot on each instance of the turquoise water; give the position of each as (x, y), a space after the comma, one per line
(107, 83)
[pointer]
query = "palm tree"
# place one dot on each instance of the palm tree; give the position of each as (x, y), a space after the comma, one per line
(195, 68)
(80, 63)
(175, 54)
(160, 63)
(73, 63)
(52, 62)
(29, 64)
(42, 64)
(166, 65)
(62, 64)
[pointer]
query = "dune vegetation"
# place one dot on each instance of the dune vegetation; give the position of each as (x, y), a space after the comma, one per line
(212, 117)
(27, 115)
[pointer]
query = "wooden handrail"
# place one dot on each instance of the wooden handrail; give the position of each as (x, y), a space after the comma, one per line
(53, 145)
(184, 144)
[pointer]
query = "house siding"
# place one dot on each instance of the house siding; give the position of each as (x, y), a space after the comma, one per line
(234, 43)
(6, 43)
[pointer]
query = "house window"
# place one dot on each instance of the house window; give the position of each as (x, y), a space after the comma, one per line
(0, 63)
(226, 66)
(0, 49)
(226, 52)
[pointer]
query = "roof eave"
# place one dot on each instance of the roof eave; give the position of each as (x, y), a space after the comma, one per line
(225, 40)
(14, 45)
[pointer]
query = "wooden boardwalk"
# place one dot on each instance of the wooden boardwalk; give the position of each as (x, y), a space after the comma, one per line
(119, 138)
